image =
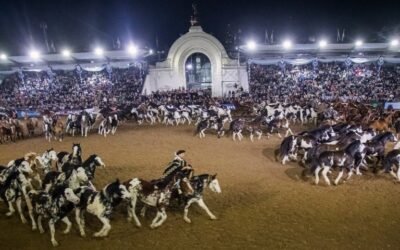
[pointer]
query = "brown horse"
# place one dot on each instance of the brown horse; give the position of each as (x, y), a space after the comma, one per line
(31, 125)
(382, 124)
(58, 128)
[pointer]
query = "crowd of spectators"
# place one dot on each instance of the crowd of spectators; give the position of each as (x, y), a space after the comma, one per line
(326, 82)
(70, 90)
(63, 91)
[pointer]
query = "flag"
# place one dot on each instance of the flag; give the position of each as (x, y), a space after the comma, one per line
(343, 34)
(272, 37)
(118, 43)
(338, 36)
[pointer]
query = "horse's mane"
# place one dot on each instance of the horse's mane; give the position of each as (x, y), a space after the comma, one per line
(88, 160)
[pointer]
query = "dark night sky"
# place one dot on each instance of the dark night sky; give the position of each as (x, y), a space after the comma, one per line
(80, 24)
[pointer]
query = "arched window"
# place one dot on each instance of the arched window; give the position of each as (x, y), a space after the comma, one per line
(198, 72)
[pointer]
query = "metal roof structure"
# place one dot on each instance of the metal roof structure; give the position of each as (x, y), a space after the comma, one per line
(120, 56)
(267, 51)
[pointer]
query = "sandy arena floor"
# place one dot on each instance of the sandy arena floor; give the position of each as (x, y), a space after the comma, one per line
(263, 205)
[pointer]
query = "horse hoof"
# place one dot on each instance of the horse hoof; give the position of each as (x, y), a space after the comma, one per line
(55, 243)
(213, 218)
(187, 220)
(23, 221)
(98, 234)
(34, 228)
(9, 214)
(41, 231)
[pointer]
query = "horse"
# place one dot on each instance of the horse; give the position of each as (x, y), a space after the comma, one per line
(89, 165)
(75, 157)
(392, 158)
(55, 206)
(382, 124)
(99, 203)
(198, 184)
(156, 193)
(31, 125)
(11, 190)
(73, 178)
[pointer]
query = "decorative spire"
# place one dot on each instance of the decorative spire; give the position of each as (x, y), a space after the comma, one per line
(194, 21)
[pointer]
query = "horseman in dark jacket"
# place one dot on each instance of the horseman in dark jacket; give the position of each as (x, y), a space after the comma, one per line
(178, 169)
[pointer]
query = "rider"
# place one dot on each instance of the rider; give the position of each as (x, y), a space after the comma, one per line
(178, 167)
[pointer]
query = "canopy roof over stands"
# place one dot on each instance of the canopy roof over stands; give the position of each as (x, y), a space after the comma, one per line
(315, 48)
(87, 60)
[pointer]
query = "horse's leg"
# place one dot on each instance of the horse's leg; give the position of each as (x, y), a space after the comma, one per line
(30, 210)
(325, 175)
(80, 221)
(339, 176)
(132, 211)
(316, 172)
(251, 137)
(143, 211)
(105, 229)
(39, 222)
(186, 211)
(203, 205)
(52, 232)
(68, 223)
(11, 209)
(21, 214)
(154, 223)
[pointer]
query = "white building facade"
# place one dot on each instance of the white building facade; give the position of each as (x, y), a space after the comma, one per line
(226, 73)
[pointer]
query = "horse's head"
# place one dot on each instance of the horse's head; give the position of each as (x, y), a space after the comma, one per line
(98, 162)
(71, 196)
(76, 149)
(117, 191)
(81, 174)
(213, 184)
(24, 166)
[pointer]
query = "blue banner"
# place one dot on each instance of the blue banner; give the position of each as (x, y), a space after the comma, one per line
(394, 105)
(29, 113)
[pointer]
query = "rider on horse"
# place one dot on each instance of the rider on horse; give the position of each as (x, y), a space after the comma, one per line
(179, 169)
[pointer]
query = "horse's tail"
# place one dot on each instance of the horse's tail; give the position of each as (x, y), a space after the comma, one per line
(286, 145)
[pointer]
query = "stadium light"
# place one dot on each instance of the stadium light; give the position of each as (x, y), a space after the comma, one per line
(151, 52)
(66, 53)
(394, 43)
(132, 50)
(251, 45)
(189, 66)
(359, 43)
(322, 43)
(34, 54)
(98, 51)
(3, 56)
(287, 44)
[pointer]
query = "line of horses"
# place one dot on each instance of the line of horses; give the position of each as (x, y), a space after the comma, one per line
(57, 184)
(351, 145)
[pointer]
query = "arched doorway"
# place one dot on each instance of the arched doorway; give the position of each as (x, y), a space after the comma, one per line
(198, 72)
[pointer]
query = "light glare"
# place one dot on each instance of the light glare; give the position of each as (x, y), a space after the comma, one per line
(99, 51)
(323, 43)
(359, 43)
(287, 44)
(66, 53)
(3, 56)
(133, 50)
(34, 54)
(394, 42)
(251, 45)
